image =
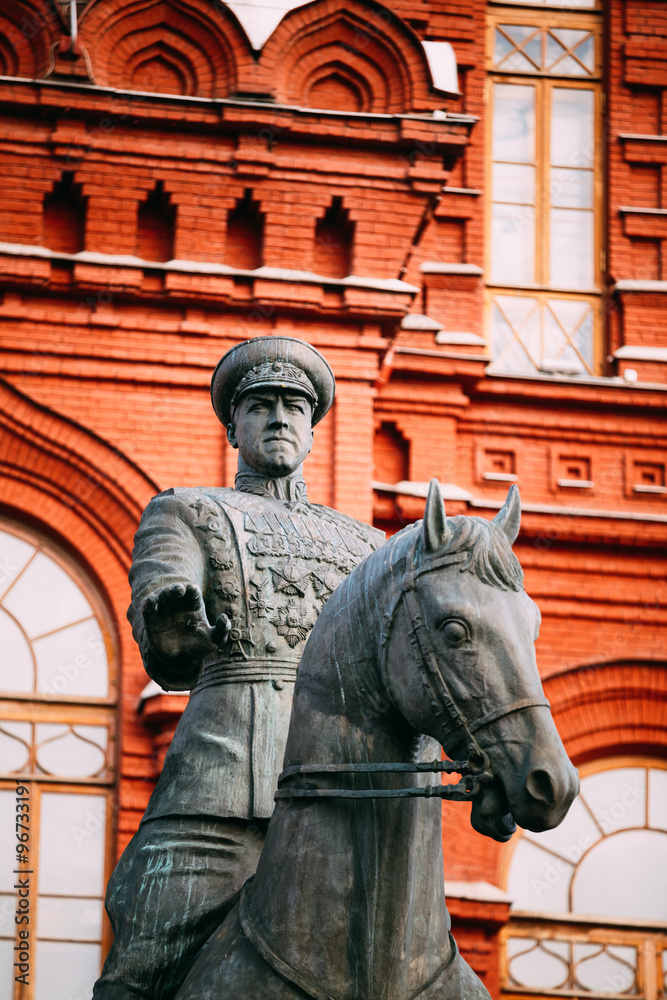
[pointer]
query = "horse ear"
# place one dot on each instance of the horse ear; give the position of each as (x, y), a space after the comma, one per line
(508, 517)
(434, 527)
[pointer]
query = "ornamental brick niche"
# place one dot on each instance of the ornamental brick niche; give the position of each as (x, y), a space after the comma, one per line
(346, 55)
(186, 47)
(64, 216)
(27, 30)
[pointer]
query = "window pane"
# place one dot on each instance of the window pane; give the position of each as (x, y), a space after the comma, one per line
(15, 553)
(625, 875)
(76, 753)
(538, 881)
(597, 972)
(6, 968)
(69, 919)
(657, 799)
(514, 182)
(502, 48)
(572, 129)
(71, 844)
(65, 971)
(538, 964)
(17, 672)
(7, 911)
(571, 188)
(571, 250)
(512, 244)
(617, 798)
(514, 123)
(73, 662)
(575, 835)
(45, 597)
(15, 744)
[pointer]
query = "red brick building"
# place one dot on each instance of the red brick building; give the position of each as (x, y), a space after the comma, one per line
(464, 206)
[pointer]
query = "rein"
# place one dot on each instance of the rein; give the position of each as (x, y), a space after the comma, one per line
(475, 770)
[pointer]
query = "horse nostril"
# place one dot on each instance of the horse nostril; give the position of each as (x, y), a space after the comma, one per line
(540, 787)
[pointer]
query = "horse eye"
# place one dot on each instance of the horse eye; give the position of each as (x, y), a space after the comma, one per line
(454, 631)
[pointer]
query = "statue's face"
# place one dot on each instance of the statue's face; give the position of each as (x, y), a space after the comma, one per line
(272, 430)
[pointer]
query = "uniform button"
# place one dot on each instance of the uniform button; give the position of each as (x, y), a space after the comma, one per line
(278, 684)
(271, 646)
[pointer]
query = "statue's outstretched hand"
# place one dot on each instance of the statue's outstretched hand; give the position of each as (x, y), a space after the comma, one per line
(176, 624)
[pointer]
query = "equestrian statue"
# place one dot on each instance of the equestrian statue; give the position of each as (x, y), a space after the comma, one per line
(427, 644)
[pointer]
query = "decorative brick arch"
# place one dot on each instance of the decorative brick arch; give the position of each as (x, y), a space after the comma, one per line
(611, 708)
(28, 31)
(74, 487)
(355, 55)
(189, 47)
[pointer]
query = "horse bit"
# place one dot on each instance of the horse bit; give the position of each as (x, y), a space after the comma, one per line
(475, 771)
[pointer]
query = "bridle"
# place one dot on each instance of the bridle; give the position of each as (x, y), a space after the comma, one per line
(475, 770)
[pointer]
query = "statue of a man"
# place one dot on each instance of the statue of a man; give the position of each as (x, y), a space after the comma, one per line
(226, 585)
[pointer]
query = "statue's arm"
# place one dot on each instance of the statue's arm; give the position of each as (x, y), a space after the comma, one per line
(167, 612)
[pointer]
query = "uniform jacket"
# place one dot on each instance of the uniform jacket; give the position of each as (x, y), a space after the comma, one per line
(269, 564)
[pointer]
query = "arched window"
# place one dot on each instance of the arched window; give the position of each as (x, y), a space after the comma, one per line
(57, 764)
(590, 897)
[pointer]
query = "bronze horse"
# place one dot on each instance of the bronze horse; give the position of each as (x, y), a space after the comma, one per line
(430, 639)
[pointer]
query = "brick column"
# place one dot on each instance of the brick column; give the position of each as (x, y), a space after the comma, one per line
(353, 449)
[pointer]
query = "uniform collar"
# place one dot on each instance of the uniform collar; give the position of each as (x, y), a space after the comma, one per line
(288, 488)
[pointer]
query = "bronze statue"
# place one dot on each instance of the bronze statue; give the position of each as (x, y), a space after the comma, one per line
(428, 643)
(226, 588)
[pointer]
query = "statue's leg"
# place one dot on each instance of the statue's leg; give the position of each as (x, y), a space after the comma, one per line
(229, 968)
(174, 884)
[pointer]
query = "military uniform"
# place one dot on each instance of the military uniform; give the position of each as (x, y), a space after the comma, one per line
(269, 565)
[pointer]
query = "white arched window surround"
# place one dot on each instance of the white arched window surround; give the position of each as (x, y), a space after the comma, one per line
(589, 913)
(58, 695)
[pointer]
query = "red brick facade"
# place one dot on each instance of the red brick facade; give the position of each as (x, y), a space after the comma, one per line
(168, 192)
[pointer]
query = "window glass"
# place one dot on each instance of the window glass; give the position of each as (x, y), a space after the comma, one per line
(535, 48)
(71, 846)
(71, 751)
(572, 134)
(65, 970)
(73, 661)
(51, 638)
(18, 672)
(514, 123)
(571, 250)
(512, 244)
(57, 726)
(625, 876)
(602, 874)
(45, 598)
(608, 857)
(15, 745)
(544, 234)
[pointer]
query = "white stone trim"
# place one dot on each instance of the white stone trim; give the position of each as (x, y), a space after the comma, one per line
(438, 267)
(206, 267)
(641, 352)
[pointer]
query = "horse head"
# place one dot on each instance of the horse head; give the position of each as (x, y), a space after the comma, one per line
(463, 610)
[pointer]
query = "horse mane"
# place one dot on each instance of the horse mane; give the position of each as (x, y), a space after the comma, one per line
(375, 584)
(489, 552)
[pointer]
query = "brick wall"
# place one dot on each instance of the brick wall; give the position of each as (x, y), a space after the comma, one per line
(180, 206)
